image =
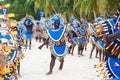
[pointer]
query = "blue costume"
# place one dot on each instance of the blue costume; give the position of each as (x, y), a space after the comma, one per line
(110, 35)
(29, 26)
(57, 41)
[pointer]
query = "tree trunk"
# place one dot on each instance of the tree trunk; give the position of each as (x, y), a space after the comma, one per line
(95, 16)
(80, 15)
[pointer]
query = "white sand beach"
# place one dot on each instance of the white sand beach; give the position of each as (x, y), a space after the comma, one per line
(36, 64)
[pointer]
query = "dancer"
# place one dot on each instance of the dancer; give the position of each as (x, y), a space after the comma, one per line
(29, 30)
(110, 33)
(82, 33)
(58, 44)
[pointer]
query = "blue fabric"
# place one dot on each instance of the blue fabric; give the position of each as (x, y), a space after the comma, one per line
(23, 31)
(12, 56)
(83, 40)
(28, 36)
(8, 37)
(101, 44)
(94, 39)
(118, 19)
(59, 50)
(74, 28)
(29, 26)
(82, 31)
(114, 79)
(55, 35)
(75, 40)
(5, 78)
(111, 22)
(116, 30)
(114, 70)
(98, 19)
(85, 23)
(93, 29)
(72, 19)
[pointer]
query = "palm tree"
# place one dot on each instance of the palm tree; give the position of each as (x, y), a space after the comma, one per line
(87, 7)
(49, 6)
(112, 6)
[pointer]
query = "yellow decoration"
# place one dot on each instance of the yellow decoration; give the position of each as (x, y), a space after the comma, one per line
(4, 71)
(1, 78)
(13, 24)
(7, 5)
(119, 55)
(14, 33)
(8, 50)
(11, 15)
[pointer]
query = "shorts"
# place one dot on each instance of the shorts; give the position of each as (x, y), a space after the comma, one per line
(81, 47)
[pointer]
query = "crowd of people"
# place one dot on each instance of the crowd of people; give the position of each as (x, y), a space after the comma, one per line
(61, 38)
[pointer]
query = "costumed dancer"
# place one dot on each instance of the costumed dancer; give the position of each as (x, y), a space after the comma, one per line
(72, 36)
(28, 23)
(57, 41)
(84, 21)
(82, 33)
(43, 31)
(97, 42)
(38, 32)
(111, 36)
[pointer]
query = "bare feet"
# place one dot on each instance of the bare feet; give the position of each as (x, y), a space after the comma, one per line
(78, 55)
(96, 57)
(82, 55)
(19, 75)
(49, 73)
(90, 57)
(72, 54)
(60, 69)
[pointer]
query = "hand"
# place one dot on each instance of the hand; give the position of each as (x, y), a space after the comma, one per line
(40, 47)
(82, 37)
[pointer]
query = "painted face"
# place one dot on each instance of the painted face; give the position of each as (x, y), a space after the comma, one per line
(82, 25)
(57, 23)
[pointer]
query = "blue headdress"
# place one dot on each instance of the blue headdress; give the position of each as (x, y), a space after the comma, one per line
(57, 17)
(99, 19)
(47, 24)
(72, 19)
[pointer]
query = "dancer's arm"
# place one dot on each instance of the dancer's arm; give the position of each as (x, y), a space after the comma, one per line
(43, 43)
(112, 37)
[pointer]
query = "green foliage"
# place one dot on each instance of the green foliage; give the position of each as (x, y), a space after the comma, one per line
(19, 8)
(78, 8)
